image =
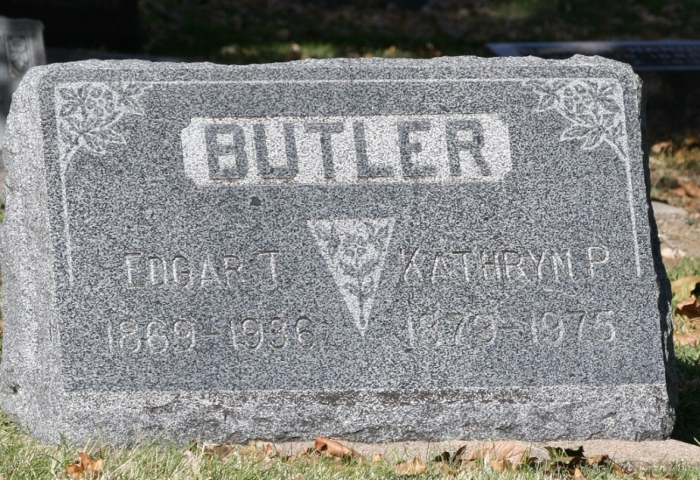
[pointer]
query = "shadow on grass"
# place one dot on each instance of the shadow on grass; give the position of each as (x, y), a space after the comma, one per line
(687, 426)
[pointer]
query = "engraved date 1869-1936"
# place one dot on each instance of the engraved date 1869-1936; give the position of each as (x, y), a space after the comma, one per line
(478, 330)
(180, 336)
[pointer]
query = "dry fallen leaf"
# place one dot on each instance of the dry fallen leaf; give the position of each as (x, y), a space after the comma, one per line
(690, 188)
(499, 465)
(447, 457)
(684, 339)
(250, 449)
(568, 458)
(689, 308)
(691, 140)
(334, 448)
(514, 453)
(376, 458)
(85, 467)
(414, 467)
(660, 147)
(267, 450)
(599, 460)
(572, 458)
(219, 450)
(683, 287)
(672, 253)
(679, 191)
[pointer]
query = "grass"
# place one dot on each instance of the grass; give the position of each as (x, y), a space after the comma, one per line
(23, 458)
(687, 427)
(686, 268)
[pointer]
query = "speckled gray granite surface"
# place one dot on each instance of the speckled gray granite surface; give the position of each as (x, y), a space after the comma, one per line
(366, 249)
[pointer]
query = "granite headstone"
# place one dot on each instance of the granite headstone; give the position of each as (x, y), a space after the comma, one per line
(21, 47)
(368, 249)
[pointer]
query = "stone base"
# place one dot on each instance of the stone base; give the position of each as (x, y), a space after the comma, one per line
(630, 412)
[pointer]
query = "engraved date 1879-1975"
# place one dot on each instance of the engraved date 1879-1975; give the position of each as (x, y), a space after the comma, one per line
(479, 330)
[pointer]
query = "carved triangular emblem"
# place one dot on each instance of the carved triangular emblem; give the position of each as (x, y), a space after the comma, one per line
(354, 251)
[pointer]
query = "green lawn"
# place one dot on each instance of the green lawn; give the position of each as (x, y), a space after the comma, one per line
(22, 458)
(687, 426)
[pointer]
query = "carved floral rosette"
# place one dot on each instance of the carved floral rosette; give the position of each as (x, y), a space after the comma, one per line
(87, 115)
(594, 109)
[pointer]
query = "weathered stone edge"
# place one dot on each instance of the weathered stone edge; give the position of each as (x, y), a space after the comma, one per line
(663, 284)
(346, 68)
(573, 412)
(30, 369)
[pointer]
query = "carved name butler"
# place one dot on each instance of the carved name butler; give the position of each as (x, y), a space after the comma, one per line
(364, 249)
(435, 148)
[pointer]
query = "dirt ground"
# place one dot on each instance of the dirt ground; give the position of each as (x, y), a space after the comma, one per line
(679, 233)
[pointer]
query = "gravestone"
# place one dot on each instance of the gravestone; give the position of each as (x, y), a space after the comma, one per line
(368, 249)
(654, 56)
(670, 70)
(84, 24)
(21, 47)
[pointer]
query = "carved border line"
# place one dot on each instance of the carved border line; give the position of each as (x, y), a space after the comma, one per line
(595, 111)
(87, 115)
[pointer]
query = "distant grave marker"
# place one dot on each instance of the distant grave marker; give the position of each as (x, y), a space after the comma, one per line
(366, 249)
(85, 24)
(656, 56)
(21, 47)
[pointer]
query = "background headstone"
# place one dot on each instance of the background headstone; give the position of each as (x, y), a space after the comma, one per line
(654, 56)
(670, 70)
(21, 47)
(368, 249)
(85, 24)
